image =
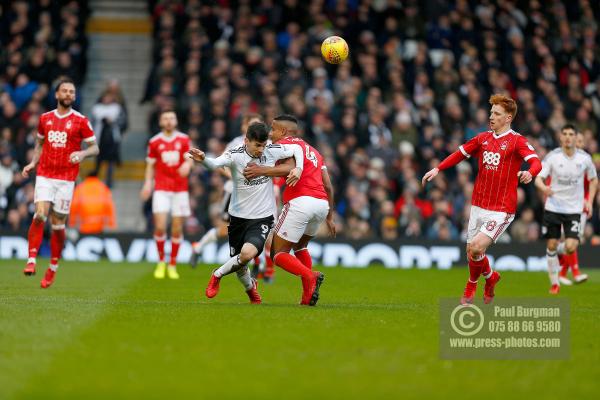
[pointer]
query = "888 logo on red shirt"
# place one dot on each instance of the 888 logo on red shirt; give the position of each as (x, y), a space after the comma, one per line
(170, 158)
(491, 160)
(57, 138)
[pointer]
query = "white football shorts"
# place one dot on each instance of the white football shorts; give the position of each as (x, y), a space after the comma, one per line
(57, 191)
(301, 216)
(491, 223)
(175, 203)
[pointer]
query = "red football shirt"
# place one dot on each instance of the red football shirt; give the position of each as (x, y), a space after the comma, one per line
(311, 181)
(500, 158)
(167, 153)
(62, 136)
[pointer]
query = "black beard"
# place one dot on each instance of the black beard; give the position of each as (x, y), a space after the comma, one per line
(65, 103)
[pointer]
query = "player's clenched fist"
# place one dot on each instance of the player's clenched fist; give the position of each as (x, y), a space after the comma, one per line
(76, 157)
(196, 155)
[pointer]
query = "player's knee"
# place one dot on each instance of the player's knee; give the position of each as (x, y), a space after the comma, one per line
(39, 217)
(247, 254)
(59, 218)
(176, 232)
(552, 245)
(570, 247)
(476, 250)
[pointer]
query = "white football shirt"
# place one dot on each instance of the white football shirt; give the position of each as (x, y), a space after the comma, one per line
(567, 175)
(235, 142)
(255, 198)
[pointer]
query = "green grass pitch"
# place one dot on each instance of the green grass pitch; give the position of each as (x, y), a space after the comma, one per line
(113, 331)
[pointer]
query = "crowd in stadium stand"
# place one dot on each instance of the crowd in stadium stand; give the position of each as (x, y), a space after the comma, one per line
(415, 86)
(40, 42)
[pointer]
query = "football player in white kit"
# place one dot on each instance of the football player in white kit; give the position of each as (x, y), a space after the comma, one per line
(252, 201)
(567, 167)
(220, 229)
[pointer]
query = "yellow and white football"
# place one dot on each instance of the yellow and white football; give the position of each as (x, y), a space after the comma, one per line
(334, 49)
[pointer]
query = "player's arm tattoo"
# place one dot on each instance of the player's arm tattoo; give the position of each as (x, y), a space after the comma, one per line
(149, 174)
(37, 151)
(91, 150)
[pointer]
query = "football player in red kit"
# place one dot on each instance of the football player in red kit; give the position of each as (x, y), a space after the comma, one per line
(500, 153)
(306, 205)
(168, 171)
(56, 159)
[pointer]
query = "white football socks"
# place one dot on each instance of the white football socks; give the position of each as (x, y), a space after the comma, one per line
(244, 277)
(553, 266)
(209, 237)
(227, 268)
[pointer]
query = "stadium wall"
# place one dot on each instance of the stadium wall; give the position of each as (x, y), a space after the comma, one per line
(408, 253)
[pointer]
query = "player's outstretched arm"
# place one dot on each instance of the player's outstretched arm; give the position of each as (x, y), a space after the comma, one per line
(446, 163)
(224, 160)
(35, 159)
(292, 171)
(432, 173)
(196, 155)
(284, 168)
(329, 190)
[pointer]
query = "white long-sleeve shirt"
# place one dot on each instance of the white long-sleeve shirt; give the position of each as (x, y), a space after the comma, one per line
(567, 174)
(255, 198)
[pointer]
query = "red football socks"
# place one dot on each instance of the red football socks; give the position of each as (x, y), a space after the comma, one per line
(35, 236)
(304, 256)
(479, 267)
(574, 263)
(160, 238)
(57, 242)
(269, 269)
(564, 262)
(292, 265)
(175, 243)
(486, 270)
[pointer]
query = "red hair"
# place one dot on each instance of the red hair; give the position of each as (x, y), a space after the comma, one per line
(509, 105)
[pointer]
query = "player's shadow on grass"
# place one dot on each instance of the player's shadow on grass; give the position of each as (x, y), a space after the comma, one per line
(327, 306)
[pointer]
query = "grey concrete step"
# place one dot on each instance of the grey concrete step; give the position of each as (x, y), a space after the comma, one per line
(119, 9)
(127, 202)
(98, 39)
(120, 6)
(111, 44)
(127, 53)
